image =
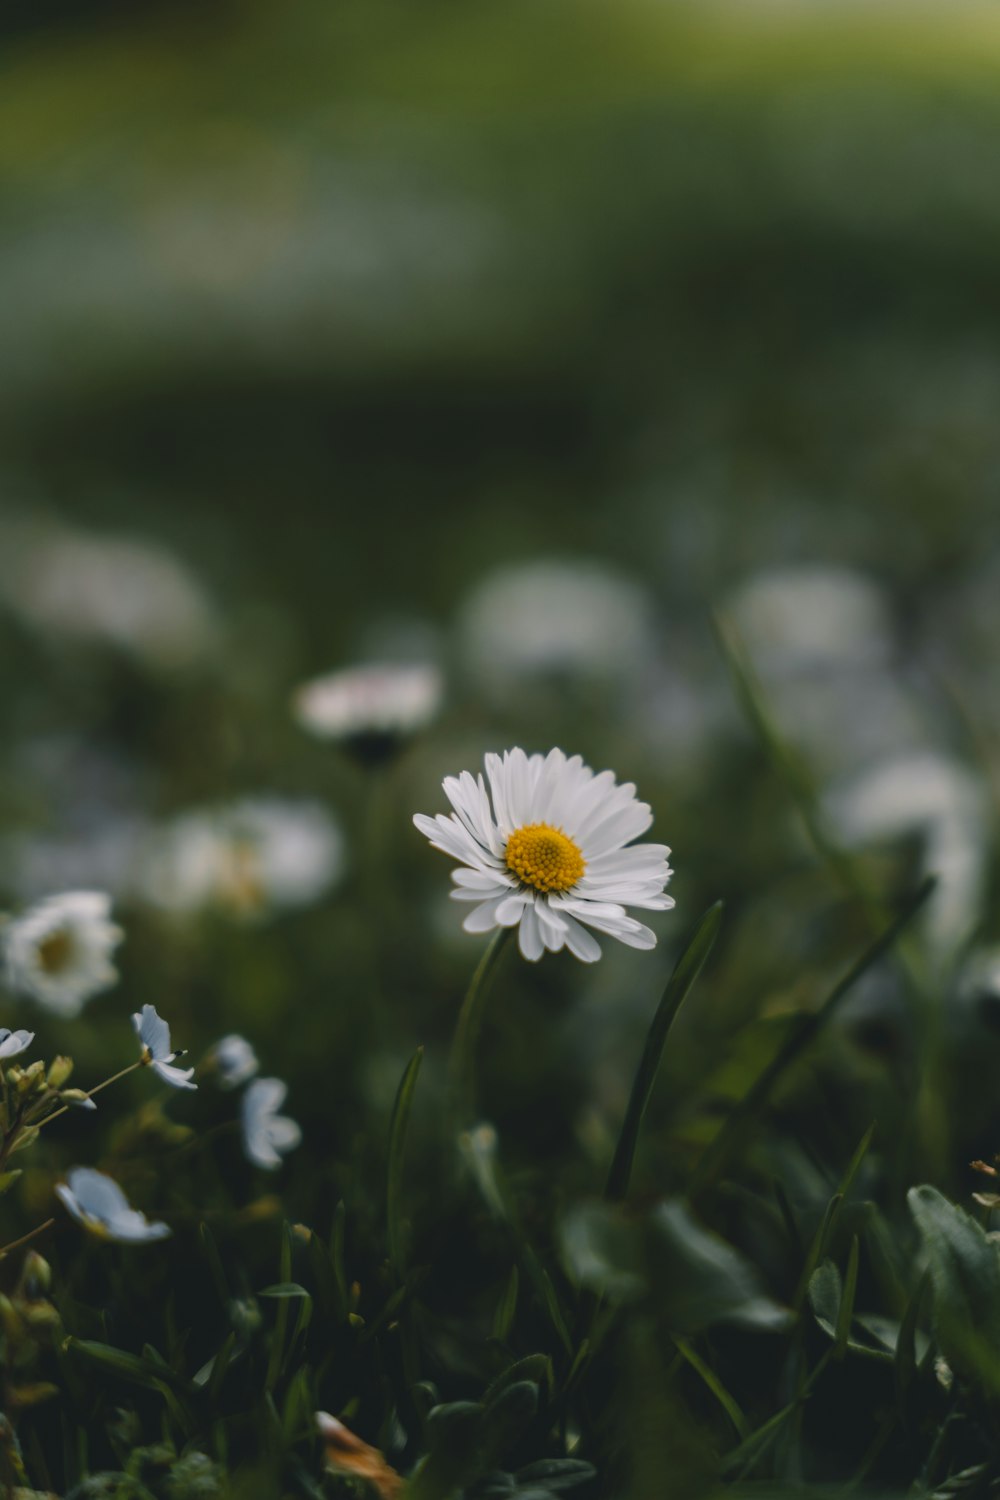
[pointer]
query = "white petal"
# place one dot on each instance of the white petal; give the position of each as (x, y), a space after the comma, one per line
(582, 944)
(552, 926)
(153, 1032)
(619, 828)
(496, 770)
(509, 909)
(637, 860)
(448, 834)
(284, 1133)
(179, 1078)
(468, 799)
(483, 918)
(482, 880)
(530, 936)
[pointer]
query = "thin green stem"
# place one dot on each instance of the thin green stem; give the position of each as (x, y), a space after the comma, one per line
(91, 1092)
(32, 1234)
(462, 1062)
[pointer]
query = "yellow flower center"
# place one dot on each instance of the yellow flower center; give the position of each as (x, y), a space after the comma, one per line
(55, 952)
(544, 857)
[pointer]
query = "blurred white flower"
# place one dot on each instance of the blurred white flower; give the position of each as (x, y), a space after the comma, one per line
(129, 592)
(933, 798)
(372, 710)
(981, 974)
(59, 951)
(99, 1204)
(247, 858)
(13, 1043)
(551, 853)
(554, 617)
(154, 1034)
(266, 1134)
(800, 618)
(104, 856)
(820, 638)
(233, 1060)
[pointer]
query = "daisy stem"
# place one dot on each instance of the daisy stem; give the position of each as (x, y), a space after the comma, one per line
(91, 1092)
(32, 1233)
(462, 1062)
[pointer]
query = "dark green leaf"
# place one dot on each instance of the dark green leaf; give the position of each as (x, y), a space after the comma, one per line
(964, 1267)
(698, 1279)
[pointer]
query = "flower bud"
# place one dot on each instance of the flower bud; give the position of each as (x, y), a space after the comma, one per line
(59, 1070)
(36, 1275)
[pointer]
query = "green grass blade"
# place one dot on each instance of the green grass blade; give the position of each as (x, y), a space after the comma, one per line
(395, 1235)
(686, 971)
(752, 1105)
(846, 1312)
(708, 1375)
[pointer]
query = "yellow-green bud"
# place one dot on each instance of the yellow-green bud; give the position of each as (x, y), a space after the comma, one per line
(36, 1275)
(59, 1071)
(30, 1079)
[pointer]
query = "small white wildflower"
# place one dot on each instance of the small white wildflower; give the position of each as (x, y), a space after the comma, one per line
(552, 852)
(59, 951)
(12, 1043)
(370, 709)
(245, 859)
(99, 1204)
(266, 1134)
(233, 1060)
(154, 1034)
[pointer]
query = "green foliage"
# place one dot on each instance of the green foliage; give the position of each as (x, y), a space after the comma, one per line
(336, 309)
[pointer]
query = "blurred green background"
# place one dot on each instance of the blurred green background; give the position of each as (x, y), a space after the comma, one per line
(330, 312)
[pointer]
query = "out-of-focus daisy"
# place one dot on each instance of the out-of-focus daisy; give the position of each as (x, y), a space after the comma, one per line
(154, 1035)
(555, 617)
(233, 1061)
(821, 640)
(59, 951)
(99, 1204)
(126, 591)
(371, 710)
(247, 859)
(937, 800)
(13, 1043)
(552, 852)
(806, 617)
(266, 1134)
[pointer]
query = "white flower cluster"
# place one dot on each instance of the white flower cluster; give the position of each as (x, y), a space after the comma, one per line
(267, 1135)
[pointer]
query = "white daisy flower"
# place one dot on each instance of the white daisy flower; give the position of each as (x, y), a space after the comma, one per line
(370, 709)
(233, 1060)
(99, 1204)
(943, 803)
(13, 1043)
(552, 852)
(125, 591)
(59, 951)
(154, 1034)
(246, 859)
(555, 617)
(266, 1134)
(809, 617)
